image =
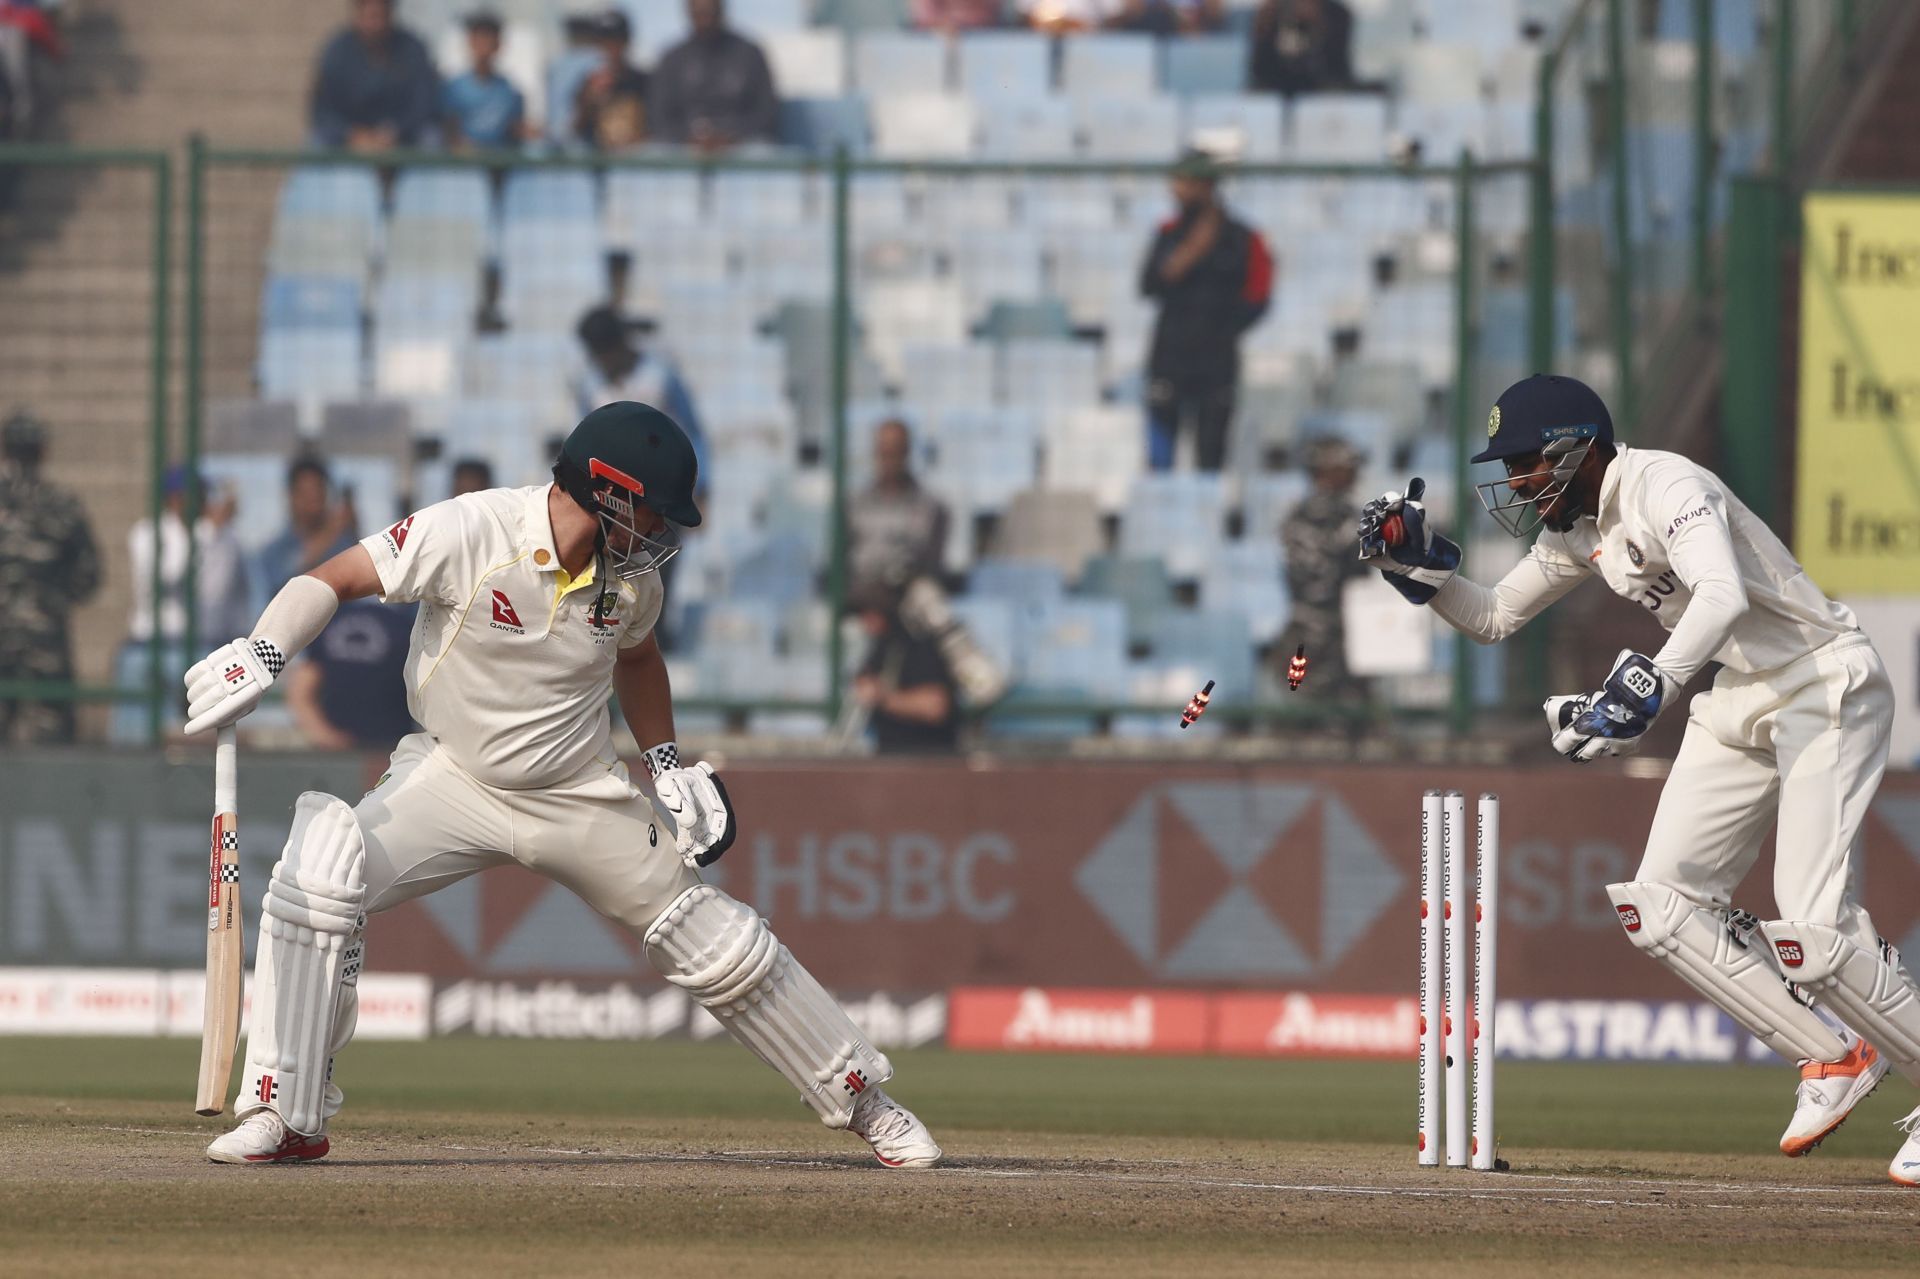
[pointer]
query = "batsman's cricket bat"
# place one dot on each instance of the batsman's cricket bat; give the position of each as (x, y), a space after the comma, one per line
(220, 1032)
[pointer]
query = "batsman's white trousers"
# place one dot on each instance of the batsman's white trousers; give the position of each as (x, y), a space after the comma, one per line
(428, 823)
(1806, 742)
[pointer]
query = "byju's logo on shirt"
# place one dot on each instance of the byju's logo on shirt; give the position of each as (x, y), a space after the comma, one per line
(396, 537)
(504, 618)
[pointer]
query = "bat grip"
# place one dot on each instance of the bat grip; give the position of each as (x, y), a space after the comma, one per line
(226, 769)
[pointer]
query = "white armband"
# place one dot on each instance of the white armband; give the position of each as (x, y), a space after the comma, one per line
(295, 617)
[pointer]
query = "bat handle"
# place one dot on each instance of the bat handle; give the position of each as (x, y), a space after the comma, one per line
(226, 769)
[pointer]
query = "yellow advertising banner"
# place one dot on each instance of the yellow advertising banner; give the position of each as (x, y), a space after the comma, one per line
(1857, 497)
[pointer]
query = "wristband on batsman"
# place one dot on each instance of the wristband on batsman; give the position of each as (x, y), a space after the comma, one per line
(661, 758)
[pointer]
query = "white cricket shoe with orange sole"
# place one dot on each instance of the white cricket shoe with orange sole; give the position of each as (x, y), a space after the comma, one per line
(1827, 1094)
(1905, 1167)
(262, 1138)
(899, 1140)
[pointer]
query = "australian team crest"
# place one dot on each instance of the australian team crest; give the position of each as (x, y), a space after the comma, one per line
(1636, 555)
(601, 611)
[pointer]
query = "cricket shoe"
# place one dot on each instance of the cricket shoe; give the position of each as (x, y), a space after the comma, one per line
(263, 1138)
(899, 1140)
(1828, 1092)
(1905, 1167)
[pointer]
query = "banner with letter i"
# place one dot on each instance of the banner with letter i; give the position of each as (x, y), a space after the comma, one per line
(1857, 497)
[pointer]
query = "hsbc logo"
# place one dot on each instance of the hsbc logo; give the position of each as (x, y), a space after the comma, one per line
(504, 616)
(1239, 880)
(1790, 952)
(1629, 918)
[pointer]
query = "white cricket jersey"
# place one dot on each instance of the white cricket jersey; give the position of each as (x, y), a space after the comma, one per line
(1671, 538)
(507, 668)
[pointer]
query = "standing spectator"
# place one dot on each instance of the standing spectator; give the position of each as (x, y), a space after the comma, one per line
(1318, 537)
(471, 475)
(48, 567)
(904, 684)
(482, 107)
(1301, 46)
(610, 109)
(349, 691)
(896, 542)
(377, 87)
(951, 16)
(1213, 278)
(223, 605)
(713, 89)
(318, 528)
(617, 369)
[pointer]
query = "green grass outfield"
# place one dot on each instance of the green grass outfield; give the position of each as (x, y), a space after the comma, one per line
(513, 1157)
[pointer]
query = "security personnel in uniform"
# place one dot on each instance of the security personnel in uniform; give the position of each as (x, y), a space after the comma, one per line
(48, 567)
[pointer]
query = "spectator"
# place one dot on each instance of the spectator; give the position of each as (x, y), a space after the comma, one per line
(471, 475)
(48, 567)
(483, 110)
(1171, 17)
(1318, 537)
(1063, 17)
(618, 369)
(26, 32)
(1213, 278)
(896, 542)
(610, 110)
(1301, 46)
(951, 16)
(223, 606)
(318, 528)
(904, 684)
(377, 87)
(349, 691)
(713, 89)
(896, 530)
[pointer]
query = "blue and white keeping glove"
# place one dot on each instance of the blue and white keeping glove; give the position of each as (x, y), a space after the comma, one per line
(1396, 539)
(1590, 726)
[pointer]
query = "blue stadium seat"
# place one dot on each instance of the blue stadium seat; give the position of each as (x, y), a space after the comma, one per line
(1248, 577)
(1208, 645)
(1076, 650)
(310, 364)
(1338, 128)
(891, 62)
(1109, 65)
(1252, 120)
(1023, 582)
(1001, 65)
(807, 64)
(454, 194)
(1145, 127)
(1015, 128)
(310, 302)
(825, 125)
(763, 18)
(914, 126)
(1141, 585)
(548, 195)
(863, 15)
(1177, 515)
(343, 192)
(1206, 64)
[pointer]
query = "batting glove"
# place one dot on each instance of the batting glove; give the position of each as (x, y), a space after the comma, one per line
(229, 682)
(1591, 726)
(703, 825)
(1396, 539)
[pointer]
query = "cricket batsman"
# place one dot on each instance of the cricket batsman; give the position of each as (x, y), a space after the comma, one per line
(1794, 728)
(535, 604)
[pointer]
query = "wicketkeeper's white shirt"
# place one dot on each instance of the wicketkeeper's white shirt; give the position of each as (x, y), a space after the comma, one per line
(507, 668)
(1671, 538)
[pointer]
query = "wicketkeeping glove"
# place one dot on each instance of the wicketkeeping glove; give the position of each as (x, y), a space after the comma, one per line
(228, 682)
(1590, 726)
(703, 825)
(1396, 539)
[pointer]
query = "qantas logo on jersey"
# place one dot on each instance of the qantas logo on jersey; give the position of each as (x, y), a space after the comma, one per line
(504, 618)
(396, 537)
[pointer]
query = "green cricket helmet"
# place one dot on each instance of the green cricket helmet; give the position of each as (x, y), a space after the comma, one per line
(624, 455)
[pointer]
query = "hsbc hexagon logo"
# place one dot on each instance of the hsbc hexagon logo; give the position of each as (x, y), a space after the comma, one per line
(1239, 880)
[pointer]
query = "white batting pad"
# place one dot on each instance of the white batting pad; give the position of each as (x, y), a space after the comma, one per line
(309, 919)
(1869, 991)
(722, 953)
(1741, 979)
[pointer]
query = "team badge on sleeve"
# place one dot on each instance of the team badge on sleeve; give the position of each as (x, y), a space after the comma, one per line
(396, 537)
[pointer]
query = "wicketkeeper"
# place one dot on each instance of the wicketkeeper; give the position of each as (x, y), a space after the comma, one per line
(535, 604)
(1794, 728)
